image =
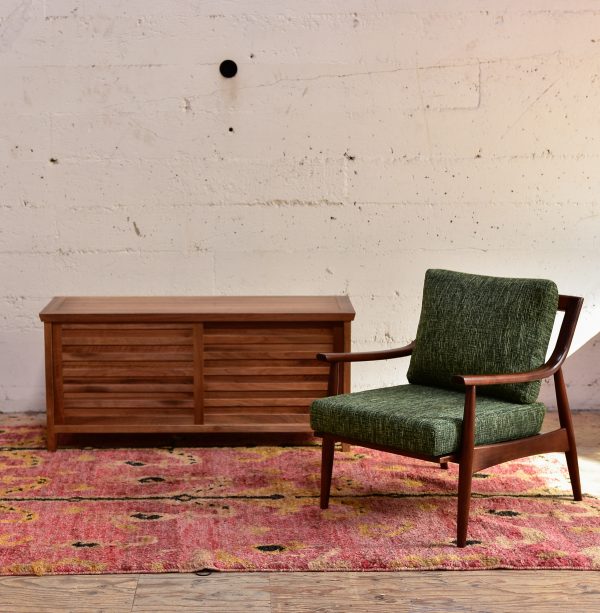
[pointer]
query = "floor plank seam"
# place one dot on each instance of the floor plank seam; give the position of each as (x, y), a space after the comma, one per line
(137, 584)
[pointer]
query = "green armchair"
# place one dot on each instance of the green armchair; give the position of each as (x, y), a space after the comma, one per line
(474, 377)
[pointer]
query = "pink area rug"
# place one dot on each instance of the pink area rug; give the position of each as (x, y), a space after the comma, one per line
(256, 509)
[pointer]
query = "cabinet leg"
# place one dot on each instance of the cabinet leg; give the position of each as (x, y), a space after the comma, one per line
(51, 441)
(345, 446)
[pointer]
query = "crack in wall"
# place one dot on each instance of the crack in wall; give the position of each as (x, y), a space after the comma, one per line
(12, 25)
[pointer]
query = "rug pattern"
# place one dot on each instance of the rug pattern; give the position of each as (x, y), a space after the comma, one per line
(256, 508)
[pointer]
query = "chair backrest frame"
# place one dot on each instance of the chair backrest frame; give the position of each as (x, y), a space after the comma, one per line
(571, 307)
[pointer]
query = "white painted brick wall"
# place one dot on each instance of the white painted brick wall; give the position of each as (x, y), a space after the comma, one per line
(362, 142)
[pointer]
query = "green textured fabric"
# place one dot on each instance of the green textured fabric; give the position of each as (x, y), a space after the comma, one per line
(422, 419)
(473, 324)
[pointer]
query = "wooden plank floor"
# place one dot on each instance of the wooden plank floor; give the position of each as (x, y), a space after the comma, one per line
(398, 592)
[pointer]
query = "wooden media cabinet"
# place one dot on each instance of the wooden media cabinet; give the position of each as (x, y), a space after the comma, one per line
(189, 364)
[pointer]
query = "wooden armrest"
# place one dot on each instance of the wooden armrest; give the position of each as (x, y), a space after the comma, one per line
(571, 305)
(542, 372)
(365, 356)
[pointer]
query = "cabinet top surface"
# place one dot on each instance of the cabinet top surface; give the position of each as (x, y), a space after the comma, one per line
(197, 308)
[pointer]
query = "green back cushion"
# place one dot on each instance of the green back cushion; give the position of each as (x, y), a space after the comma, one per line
(473, 324)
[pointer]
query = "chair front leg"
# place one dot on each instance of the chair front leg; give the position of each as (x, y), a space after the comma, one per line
(566, 422)
(465, 473)
(327, 450)
(465, 478)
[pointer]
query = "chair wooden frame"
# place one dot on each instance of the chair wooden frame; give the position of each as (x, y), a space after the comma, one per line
(472, 458)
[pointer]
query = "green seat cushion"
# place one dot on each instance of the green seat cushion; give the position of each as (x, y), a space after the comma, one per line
(421, 419)
(473, 324)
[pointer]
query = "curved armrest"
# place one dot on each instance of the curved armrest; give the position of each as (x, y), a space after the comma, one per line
(366, 356)
(571, 305)
(542, 372)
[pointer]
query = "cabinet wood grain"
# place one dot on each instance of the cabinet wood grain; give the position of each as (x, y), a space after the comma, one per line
(189, 364)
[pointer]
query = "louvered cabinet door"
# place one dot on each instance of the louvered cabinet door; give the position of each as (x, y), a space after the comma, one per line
(196, 364)
(263, 376)
(124, 374)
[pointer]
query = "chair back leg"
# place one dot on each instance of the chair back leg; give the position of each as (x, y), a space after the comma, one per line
(327, 450)
(566, 422)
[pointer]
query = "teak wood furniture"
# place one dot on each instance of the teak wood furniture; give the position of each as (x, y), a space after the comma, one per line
(189, 364)
(469, 455)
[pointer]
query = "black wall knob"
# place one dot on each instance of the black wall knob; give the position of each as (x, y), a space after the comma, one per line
(228, 69)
